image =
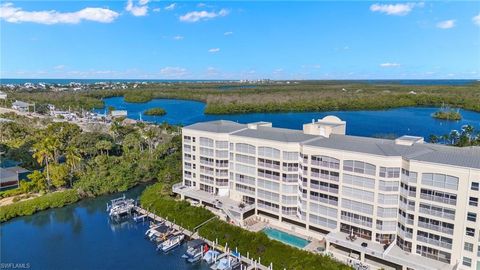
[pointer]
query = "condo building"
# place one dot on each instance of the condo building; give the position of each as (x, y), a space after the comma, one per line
(403, 203)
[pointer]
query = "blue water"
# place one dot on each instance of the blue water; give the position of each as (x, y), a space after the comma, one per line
(286, 238)
(396, 122)
(89, 81)
(80, 236)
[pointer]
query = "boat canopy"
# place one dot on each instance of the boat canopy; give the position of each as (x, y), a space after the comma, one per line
(195, 243)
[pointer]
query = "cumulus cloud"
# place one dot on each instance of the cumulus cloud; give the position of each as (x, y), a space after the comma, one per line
(476, 19)
(228, 33)
(171, 6)
(214, 50)
(178, 37)
(137, 10)
(395, 9)
(12, 14)
(196, 16)
(446, 24)
(173, 72)
(387, 65)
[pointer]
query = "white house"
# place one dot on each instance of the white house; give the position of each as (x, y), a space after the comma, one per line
(21, 106)
(118, 113)
(3, 95)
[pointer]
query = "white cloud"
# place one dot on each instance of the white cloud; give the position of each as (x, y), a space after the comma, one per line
(446, 24)
(178, 37)
(58, 67)
(173, 72)
(214, 50)
(196, 16)
(156, 9)
(12, 14)
(172, 6)
(395, 9)
(140, 10)
(228, 33)
(201, 5)
(476, 19)
(387, 65)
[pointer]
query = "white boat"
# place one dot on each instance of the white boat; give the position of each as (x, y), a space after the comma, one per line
(172, 243)
(195, 250)
(209, 256)
(228, 263)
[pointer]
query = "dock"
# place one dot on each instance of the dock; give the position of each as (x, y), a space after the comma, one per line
(247, 263)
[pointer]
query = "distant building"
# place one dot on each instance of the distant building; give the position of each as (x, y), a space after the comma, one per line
(3, 95)
(118, 113)
(21, 106)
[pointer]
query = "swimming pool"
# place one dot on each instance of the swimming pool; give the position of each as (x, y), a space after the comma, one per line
(285, 238)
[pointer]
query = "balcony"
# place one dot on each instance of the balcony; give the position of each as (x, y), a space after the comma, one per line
(324, 188)
(436, 228)
(434, 242)
(437, 213)
(438, 199)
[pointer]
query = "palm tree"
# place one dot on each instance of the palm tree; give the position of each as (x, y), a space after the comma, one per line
(445, 138)
(151, 134)
(44, 153)
(433, 138)
(454, 135)
(468, 130)
(104, 146)
(73, 160)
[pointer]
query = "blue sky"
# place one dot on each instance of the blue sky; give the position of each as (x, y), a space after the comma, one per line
(141, 39)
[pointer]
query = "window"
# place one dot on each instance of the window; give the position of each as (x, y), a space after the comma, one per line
(440, 180)
(470, 232)
(268, 152)
(467, 261)
(475, 186)
(221, 144)
(245, 148)
(389, 172)
(472, 216)
(359, 167)
(358, 194)
(468, 246)
(206, 142)
(358, 181)
(326, 161)
(290, 155)
(473, 201)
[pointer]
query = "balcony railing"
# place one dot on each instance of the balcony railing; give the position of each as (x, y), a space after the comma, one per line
(324, 188)
(434, 242)
(437, 213)
(436, 228)
(438, 199)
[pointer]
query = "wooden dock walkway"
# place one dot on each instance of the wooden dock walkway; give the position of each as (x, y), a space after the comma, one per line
(252, 264)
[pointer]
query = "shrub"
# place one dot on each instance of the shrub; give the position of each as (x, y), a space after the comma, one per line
(53, 200)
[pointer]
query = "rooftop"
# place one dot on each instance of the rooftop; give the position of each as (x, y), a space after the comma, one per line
(219, 126)
(407, 147)
(275, 134)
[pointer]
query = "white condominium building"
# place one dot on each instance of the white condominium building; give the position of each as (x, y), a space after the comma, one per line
(402, 203)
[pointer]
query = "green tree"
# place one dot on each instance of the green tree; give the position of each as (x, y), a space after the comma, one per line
(59, 174)
(39, 181)
(44, 153)
(104, 146)
(433, 138)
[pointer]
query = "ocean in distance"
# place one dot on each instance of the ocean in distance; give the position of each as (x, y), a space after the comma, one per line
(425, 82)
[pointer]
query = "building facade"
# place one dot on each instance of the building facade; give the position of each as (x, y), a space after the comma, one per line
(403, 202)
